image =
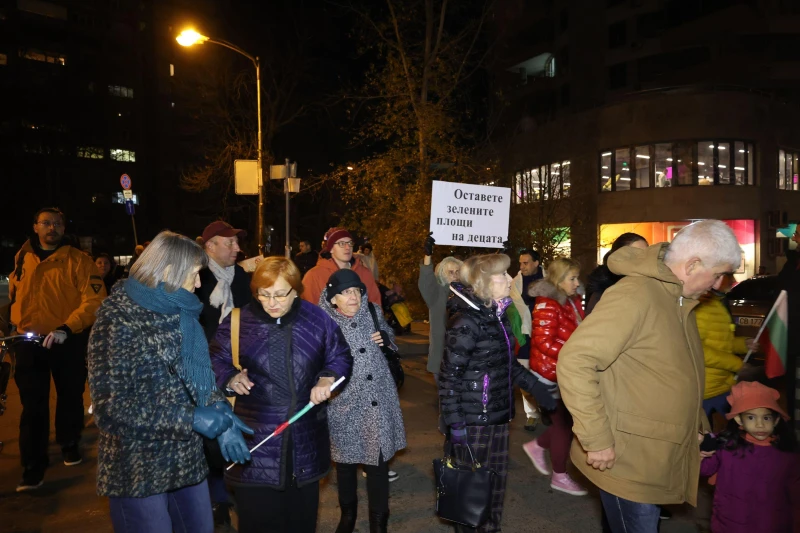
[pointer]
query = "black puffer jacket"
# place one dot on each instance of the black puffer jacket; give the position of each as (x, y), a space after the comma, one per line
(478, 367)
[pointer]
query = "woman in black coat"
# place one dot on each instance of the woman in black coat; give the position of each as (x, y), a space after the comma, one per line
(601, 277)
(475, 381)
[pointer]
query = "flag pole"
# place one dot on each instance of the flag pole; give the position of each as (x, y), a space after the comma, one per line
(764, 324)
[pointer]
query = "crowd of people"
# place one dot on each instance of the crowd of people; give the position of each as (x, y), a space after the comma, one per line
(191, 361)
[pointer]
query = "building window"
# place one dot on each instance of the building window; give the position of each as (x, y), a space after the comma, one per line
(118, 154)
(711, 162)
(45, 57)
(550, 67)
(542, 183)
(617, 34)
(617, 76)
(663, 165)
(787, 170)
(119, 90)
(171, 69)
(91, 152)
(3, 59)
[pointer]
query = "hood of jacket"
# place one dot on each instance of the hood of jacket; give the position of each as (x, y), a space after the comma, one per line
(546, 289)
(648, 263)
(361, 315)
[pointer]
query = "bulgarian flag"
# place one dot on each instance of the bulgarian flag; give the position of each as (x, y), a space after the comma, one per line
(777, 335)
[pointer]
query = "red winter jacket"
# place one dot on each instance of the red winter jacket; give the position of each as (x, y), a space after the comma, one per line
(554, 320)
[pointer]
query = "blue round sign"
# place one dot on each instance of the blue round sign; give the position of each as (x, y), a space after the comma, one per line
(126, 182)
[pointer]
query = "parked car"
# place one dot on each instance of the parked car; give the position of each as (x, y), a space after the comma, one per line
(749, 303)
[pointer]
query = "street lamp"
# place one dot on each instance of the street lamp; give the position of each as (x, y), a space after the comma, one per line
(190, 37)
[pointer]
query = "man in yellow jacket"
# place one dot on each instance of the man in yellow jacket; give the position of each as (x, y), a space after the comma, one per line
(632, 376)
(55, 290)
(720, 346)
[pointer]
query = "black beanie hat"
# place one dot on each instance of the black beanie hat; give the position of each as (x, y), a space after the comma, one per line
(342, 280)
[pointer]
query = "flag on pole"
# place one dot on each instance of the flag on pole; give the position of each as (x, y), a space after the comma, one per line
(776, 340)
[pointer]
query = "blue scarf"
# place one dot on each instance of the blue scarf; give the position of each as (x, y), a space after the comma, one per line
(196, 367)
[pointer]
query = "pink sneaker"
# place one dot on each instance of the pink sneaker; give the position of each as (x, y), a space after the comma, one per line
(537, 456)
(564, 483)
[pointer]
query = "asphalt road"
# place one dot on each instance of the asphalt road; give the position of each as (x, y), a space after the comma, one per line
(67, 502)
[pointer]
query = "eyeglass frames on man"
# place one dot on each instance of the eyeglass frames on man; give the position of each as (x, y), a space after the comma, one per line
(345, 244)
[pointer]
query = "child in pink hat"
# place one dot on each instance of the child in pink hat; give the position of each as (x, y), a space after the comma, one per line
(757, 474)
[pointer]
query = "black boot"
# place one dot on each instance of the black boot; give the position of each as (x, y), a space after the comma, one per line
(347, 523)
(221, 513)
(378, 521)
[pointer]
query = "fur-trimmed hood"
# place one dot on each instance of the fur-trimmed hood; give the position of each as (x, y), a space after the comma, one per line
(546, 289)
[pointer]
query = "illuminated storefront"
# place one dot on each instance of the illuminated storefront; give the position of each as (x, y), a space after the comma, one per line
(665, 231)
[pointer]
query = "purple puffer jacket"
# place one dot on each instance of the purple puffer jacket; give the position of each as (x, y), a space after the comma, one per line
(318, 348)
(757, 491)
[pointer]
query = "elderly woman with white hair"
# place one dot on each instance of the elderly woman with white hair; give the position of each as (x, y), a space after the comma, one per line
(632, 375)
(479, 371)
(434, 285)
(155, 396)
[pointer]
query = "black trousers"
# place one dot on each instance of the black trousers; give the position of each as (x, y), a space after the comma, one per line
(266, 510)
(377, 485)
(35, 364)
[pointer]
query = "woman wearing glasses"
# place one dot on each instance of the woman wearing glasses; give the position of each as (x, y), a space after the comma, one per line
(290, 352)
(365, 420)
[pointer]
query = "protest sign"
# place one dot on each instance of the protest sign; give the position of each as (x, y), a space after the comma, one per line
(470, 215)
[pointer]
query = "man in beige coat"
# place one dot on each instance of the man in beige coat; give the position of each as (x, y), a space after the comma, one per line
(632, 376)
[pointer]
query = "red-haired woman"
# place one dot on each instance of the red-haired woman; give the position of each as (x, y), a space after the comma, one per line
(290, 352)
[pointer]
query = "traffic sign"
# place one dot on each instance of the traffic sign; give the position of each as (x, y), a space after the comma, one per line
(128, 195)
(125, 181)
(129, 207)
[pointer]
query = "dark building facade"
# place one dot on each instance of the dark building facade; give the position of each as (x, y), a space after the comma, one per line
(87, 96)
(645, 115)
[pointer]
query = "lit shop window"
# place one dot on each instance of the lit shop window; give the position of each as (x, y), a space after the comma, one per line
(91, 152)
(542, 183)
(118, 154)
(3, 59)
(787, 170)
(45, 57)
(671, 164)
(171, 69)
(119, 90)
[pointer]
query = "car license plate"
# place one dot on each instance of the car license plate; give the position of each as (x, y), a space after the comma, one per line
(750, 321)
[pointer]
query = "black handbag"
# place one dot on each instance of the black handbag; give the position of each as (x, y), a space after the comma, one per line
(392, 357)
(463, 492)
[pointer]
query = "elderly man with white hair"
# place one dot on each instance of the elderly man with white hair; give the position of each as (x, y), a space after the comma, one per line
(632, 376)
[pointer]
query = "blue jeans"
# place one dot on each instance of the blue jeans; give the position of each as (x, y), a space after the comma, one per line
(186, 510)
(717, 403)
(625, 516)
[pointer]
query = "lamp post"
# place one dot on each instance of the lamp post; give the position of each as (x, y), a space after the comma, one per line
(191, 37)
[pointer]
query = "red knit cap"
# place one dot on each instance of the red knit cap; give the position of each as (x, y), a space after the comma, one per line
(749, 395)
(333, 235)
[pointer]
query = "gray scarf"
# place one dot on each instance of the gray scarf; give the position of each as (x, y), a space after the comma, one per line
(222, 297)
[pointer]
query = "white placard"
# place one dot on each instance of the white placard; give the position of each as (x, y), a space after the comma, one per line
(470, 215)
(249, 265)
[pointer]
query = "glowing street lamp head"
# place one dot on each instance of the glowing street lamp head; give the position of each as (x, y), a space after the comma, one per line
(190, 37)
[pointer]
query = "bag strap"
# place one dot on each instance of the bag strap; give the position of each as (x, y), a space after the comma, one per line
(374, 316)
(235, 320)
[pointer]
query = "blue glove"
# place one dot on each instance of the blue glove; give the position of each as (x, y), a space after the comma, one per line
(458, 436)
(544, 394)
(210, 421)
(231, 443)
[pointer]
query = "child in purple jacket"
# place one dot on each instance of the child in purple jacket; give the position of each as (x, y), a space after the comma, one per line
(756, 474)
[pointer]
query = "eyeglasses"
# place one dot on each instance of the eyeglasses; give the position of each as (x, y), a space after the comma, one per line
(345, 244)
(49, 224)
(352, 291)
(280, 298)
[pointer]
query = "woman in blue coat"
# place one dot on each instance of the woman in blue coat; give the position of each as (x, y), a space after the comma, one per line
(290, 352)
(154, 395)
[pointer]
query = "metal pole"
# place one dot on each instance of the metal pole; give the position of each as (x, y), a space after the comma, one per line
(135, 238)
(260, 221)
(286, 190)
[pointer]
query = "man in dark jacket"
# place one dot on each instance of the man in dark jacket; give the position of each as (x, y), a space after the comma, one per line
(306, 258)
(223, 286)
